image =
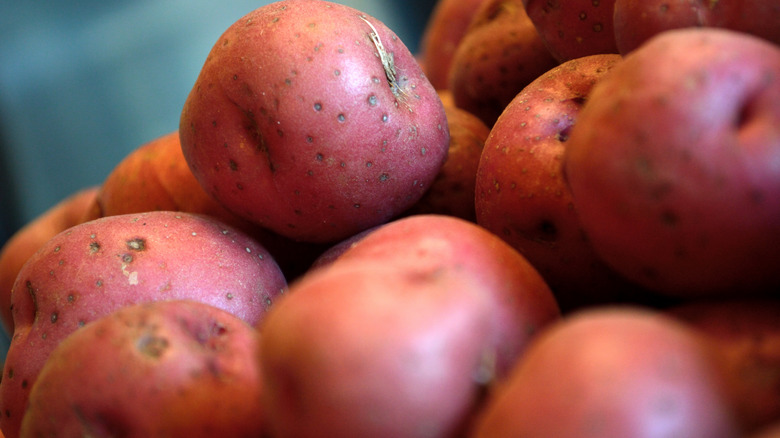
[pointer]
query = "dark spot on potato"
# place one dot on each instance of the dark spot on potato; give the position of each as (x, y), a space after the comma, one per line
(137, 244)
(25, 383)
(233, 165)
(54, 316)
(336, 72)
(317, 106)
(152, 346)
(372, 100)
(229, 296)
(94, 247)
(127, 258)
(598, 27)
(318, 157)
(341, 118)
(10, 373)
(669, 218)
(583, 15)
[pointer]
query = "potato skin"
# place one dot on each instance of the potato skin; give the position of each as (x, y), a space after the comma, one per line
(73, 210)
(612, 372)
(293, 122)
(673, 164)
(166, 368)
(97, 267)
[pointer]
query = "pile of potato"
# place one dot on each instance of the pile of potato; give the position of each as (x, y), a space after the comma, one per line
(559, 219)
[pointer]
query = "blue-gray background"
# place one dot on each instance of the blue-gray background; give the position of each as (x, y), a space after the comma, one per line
(84, 83)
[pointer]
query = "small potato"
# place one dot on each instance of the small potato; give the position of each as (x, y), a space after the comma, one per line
(161, 369)
(612, 372)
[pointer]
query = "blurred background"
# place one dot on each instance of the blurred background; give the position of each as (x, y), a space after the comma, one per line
(84, 83)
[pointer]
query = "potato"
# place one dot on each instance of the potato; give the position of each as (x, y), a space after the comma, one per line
(452, 192)
(574, 29)
(498, 56)
(522, 301)
(673, 164)
(314, 120)
(521, 191)
(368, 348)
(612, 372)
(99, 266)
(73, 210)
(636, 22)
(747, 331)
(166, 368)
(441, 36)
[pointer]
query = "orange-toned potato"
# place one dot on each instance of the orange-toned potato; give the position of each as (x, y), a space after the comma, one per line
(167, 368)
(441, 36)
(452, 192)
(500, 54)
(73, 210)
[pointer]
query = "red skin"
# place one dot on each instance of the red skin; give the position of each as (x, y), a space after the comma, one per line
(443, 32)
(294, 124)
(574, 28)
(97, 267)
(523, 303)
(748, 334)
(522, 195)
(500, 54)
(71, 211)
(637, 21)
(612, 372)
(167, 368)
(672, 164)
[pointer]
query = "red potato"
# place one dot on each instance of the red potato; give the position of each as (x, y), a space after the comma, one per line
(452, 192)
(673, 164)
(71, 211)
(637, 21)
(748, 334)
(314, 120)
(612, 372)
(500, 54)
(97, 267)
(522, 301)
(522, 195)
(442, 34)
(167, 368)
(155, 176)
(369, 348)
(573, 29)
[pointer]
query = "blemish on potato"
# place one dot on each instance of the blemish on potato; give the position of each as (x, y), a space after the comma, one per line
(137, 244)
(152, 346)
(53, 318)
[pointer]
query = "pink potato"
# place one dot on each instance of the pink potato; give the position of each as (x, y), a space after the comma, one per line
(636, 21)
(574, 28)
(522, 195)
(498, 56)
(72, 210)
(314, 120)
(373, 348)
(99, 266)
(522, 303)
(165, 368)
(673, 164)
(612, 372)
(747, 332)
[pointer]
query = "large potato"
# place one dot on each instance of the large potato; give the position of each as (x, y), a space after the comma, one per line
(522, 303)
(314, 120)
(673, 164)
(73, 210)
(521, 190)
(612, 373)
(97, 267)
(160, 369)
(367, 348)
